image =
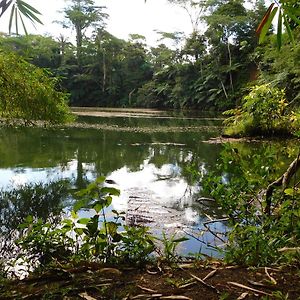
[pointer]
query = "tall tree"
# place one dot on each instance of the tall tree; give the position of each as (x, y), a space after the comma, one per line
(194, 9)
(226, 24)
(81, 15)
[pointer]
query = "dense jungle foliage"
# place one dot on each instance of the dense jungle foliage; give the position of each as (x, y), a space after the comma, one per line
(33, 99)
(209, 69)
(220, 68)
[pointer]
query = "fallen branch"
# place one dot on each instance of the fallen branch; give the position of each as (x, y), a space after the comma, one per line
(249, 288)
(282, 181)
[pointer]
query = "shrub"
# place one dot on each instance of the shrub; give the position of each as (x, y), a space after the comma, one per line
(265, 112)
(256, 237)
(93, 238)
(29, 93)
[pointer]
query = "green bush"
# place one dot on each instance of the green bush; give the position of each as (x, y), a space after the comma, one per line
(29, 93)
(87, 239)
(256, 237)
(264, 112)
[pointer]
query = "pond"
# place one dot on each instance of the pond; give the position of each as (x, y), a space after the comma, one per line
(156, 159)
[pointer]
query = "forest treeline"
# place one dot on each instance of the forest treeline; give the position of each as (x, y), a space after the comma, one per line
(209, 69)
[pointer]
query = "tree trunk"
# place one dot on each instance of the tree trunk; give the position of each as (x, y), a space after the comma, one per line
(78, 43)
(230, 65)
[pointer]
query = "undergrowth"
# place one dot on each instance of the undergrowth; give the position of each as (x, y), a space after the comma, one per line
(264, 112)
(257, 237)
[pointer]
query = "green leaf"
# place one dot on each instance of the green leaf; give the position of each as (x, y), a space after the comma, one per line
(180, 240)
(111, 228)
(100, 179)
(23, 24)
(92, 225)
(22, 3)
(79, 231)
(279, 30)
(74, 215)
(292, 16)
(84, 221)
(98, 206)
(108, 201)
(91, 188)
(82, 203)
(29, 219)
(267, 25)
(111, 191)
(29, 14)
(264, 20)
(11, 18)
(117, 237)
(289, 192)
(288, 29)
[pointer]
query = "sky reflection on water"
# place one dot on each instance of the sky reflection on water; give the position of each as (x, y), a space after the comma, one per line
(149, 166)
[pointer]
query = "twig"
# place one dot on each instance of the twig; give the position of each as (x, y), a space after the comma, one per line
(147, 296)
(208, 217)
(205, 224)
(175, 297)
(194, 237)
(270, 277)
(184, 286)
(259, 284)
(248, 288)
(289, 249)
(209, 275)
(146, 289)
(211, 287)
(215, 221)
(151, 272)
(243, 296)
(205, 199)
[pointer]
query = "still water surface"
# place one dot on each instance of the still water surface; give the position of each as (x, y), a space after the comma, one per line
(156, 160)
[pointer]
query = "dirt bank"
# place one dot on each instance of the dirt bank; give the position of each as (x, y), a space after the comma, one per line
(194, 280)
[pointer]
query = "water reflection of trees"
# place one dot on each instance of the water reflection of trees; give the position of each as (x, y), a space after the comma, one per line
(257, 163)
(42, 200)
(106, 151)
(152, 122)
(98, 152)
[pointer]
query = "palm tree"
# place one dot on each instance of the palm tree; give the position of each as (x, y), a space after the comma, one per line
(19, 9)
